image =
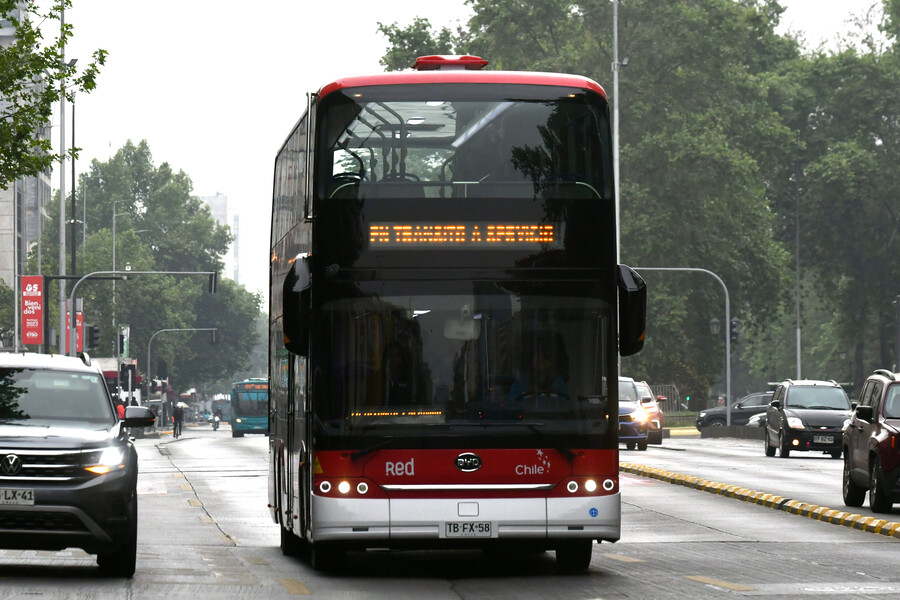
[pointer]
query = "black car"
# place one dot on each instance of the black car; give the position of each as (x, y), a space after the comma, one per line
(871, 451)
(68, 469)
(806, 415)
(741, 411)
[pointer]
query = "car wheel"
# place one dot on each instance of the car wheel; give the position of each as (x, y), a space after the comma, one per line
(717, 423)
(121, 560)
(642, 445)
(854, 495)
(656, 437)
(770, 449)
(783, 444)
(835, 454)
(878, 499)
(574, 555)
(629, 445)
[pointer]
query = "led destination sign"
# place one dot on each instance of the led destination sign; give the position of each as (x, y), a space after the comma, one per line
(466, 236)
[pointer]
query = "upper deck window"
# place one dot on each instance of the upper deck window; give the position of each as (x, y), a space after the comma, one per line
(461, 141)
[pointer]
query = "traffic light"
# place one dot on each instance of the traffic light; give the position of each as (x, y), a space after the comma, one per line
(92, 336)
(735, 329)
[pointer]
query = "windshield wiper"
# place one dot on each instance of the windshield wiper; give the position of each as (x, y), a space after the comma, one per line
(356, 454)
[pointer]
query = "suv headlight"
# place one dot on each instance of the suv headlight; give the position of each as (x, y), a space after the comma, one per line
(795, 423)
(702, 414)
(111, 458)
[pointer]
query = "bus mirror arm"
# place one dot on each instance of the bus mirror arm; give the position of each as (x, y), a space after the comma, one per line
(632, 311)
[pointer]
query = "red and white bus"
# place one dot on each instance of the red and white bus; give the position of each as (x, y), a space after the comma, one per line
(446, 313)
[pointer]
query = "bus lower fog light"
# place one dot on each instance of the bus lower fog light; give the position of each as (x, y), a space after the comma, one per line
(344, 487)
(590, 485)
(362, 489)
(572, 487)
(325, 487)
(608, 485)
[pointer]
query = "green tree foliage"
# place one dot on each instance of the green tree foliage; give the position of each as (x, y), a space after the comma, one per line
(32, 73)
(159, 226)
(7, 318)
(416, 40)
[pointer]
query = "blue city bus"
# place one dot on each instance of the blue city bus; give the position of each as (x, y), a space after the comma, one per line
(250, 407)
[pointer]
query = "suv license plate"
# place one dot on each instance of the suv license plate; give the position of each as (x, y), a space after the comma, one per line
(17, 496)
(823, 439)
(468, 529)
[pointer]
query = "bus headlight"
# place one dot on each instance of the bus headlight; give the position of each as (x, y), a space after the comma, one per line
(590, 485)
(344, 487)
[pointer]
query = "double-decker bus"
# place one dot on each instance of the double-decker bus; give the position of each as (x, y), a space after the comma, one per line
(446, 311)
(250, 407)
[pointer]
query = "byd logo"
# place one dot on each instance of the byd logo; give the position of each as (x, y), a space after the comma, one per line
(468, 462)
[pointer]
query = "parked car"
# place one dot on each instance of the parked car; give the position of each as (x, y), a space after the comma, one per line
(68, 469)
(741, 411)
(806, 415)
(634, 425)
(871, 444)
(655, 417)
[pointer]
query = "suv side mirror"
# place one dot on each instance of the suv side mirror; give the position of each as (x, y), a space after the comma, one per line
(661, 398)
(776, 404)
(864, 412)
(138, 416)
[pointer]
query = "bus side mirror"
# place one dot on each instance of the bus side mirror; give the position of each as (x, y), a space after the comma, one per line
(632, 311)
(296, 306)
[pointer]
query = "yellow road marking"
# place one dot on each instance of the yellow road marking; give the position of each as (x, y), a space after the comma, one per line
(186, 488)
(195, 503)
(294, 587)
(735, 587)
(623, 558)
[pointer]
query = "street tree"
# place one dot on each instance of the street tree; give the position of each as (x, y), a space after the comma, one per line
(159, 226)
(33, 73)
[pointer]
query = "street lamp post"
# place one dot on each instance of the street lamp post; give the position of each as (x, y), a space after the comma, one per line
(727, 333)
(150, 343)
(213, 275)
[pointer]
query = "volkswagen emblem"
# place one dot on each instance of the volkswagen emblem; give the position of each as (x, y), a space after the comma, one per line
(468, 462)
(11, 465)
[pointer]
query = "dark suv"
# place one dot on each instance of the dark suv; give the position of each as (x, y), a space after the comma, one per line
(806, 415)
(871, 444)
(68, 470)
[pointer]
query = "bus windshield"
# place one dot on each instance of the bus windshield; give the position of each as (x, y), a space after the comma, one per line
(456, 141)
(448, 359)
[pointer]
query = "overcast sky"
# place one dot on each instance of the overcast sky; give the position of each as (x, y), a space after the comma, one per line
(215, 91)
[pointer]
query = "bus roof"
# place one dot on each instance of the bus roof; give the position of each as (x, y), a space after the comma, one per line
(464, 76)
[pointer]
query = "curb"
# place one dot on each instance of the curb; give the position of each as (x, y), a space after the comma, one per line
(794, 507)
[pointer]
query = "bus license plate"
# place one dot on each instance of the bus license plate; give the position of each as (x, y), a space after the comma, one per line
(17, 496)
(468, 529)
(823, 439)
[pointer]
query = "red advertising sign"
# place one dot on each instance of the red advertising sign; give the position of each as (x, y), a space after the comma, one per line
(32, 309)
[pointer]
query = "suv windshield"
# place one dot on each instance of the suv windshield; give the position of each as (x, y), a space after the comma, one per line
(42, 397)
(817, 397)
(892, 403)
(627, 392)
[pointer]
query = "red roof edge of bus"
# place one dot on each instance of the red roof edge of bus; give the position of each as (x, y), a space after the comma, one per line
(464, 76)
(438, 61)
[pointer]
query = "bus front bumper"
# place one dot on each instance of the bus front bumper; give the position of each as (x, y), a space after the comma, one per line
(455, 521)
